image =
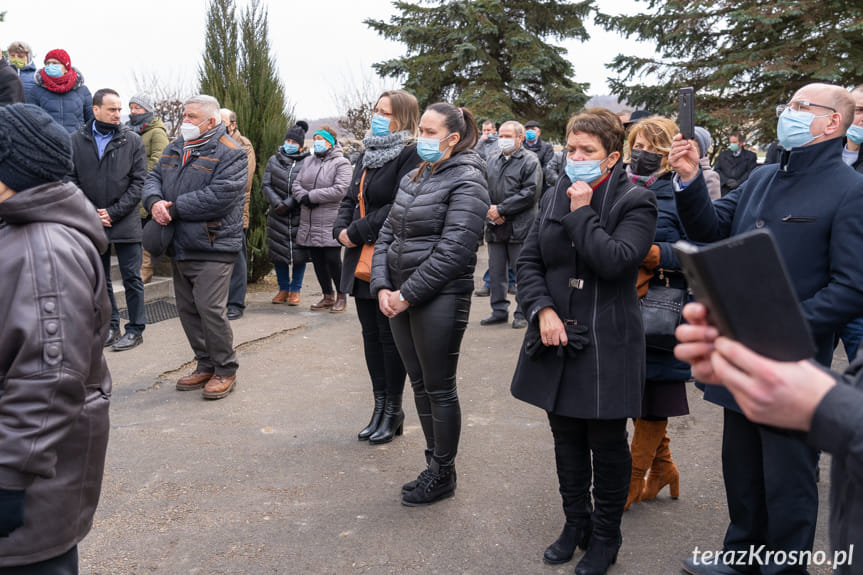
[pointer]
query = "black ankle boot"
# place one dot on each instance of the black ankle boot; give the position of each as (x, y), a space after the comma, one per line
(601, 554)
(435, 483)
(571, 537)
(392, 422)
(410, 485)
(377, 415)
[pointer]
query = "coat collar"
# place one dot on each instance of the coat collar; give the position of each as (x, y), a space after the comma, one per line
(822, 154)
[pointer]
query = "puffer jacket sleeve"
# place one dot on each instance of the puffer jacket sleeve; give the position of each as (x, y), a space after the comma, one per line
(129, 199)
(152, 191)
(158, 142)
(348, 205)
(270, 194)
(612, 255)
(460, 237)
(43, 389)
(334, 193)
(216, 200)
(87, 100)
(380, 270)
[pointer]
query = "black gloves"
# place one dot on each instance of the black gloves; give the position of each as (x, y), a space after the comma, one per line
(286, 207)
(308, 202)
(11, 510)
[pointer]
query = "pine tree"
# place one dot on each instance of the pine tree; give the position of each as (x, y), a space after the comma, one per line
(490, 56)
(239, 71)
(743, 57)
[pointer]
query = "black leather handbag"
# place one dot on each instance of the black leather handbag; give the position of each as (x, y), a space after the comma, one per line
(661, 310)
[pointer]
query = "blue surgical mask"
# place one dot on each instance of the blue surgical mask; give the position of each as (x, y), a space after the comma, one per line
(584, 170)
(530, 135)
(855, 134)
(290, 148)
(380, 125)
(429, 149)
(320, 147)
(54, 70)
(793, 128)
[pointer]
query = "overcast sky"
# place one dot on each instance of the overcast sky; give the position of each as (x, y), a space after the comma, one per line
(320, 46)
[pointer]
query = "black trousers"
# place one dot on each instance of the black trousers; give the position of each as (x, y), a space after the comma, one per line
(770, 487)
(575, 441)
(428, 338)
(239, 280)
(65, 564)
(328, 267)
(383, 361)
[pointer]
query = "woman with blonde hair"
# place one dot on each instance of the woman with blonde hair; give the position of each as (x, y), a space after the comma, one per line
(389, 155)
(665, 388)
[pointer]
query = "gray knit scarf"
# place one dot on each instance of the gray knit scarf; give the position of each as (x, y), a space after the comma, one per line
(381, 149)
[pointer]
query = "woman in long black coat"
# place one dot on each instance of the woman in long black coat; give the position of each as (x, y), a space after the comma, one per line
(583, 355)
(389, 154)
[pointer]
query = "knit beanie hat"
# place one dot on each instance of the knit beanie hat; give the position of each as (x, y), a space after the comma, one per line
(34, 149)
(297, 132)
(702, 136)
(144, 100)
(60, 55)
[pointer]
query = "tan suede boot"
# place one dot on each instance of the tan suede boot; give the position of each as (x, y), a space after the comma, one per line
(663, 472)
(645, 440)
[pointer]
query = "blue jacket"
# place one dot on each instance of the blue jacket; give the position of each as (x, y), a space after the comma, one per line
(663, 366)
(208, 193)
(812, 202)
(27, 75)
(70, 109)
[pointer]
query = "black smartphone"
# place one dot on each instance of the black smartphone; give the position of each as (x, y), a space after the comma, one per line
(686, 112)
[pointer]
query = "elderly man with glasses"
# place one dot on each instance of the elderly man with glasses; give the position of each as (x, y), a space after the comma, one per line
(812, 202)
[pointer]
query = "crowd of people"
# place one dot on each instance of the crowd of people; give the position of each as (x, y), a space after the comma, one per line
(578, 236)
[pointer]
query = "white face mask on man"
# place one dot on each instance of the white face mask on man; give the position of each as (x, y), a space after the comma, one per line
(191, 131)
(506, 145)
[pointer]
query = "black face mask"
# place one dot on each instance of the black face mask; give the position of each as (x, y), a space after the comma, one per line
(104, 128)
(645, 163)
(140, 119)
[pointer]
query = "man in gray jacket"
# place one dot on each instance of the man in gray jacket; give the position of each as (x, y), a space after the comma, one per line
(514, 180)
(198, 188)
(54, 383)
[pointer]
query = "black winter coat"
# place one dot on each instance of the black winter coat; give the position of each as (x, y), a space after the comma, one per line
(11, 88)
(514, 184)
(543, 150)
(379, 191)
(113, 182)
(282, 224)
(427, 245)
(734, 170)
(208, 192)
(584, 265)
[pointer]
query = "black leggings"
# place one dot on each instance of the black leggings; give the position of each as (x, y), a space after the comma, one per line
(428, 338)
(328, 267)
(382, 358)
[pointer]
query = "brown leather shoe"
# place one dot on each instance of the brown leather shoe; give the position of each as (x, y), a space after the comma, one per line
(193, 381)
(341, 303)
(219, 386)
(326, 302)
(293, 298)
(281, 297)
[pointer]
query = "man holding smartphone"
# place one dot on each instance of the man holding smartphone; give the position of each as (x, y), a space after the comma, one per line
(811, 202)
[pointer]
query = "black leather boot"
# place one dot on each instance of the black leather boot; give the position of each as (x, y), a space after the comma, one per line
(377, 415)
(601, 554)
(392, 422)
(434, 484)
(410, 485)
(563, 548)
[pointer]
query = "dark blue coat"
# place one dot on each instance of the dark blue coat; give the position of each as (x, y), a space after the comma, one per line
(208, 192)
(812, 202)
(27, 75)
(663, 366)
(70, 109)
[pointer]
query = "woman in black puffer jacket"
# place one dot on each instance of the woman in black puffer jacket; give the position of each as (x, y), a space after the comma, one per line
(422, 275)
(283, 218)
(390, 154)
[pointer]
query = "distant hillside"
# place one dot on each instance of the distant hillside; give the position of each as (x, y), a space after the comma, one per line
(606, 101)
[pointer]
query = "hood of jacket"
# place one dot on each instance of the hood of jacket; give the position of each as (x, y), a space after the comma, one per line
(78, 82)
(61, 203)
(155, 124)
(468, 158)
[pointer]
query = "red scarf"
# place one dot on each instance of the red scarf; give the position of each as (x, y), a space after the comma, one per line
(60, 84)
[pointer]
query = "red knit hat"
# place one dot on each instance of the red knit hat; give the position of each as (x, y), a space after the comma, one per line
(60, 55)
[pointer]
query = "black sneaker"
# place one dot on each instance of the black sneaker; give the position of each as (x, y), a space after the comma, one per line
(434, 484)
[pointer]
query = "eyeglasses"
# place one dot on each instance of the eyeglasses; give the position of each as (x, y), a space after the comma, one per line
(797, 105)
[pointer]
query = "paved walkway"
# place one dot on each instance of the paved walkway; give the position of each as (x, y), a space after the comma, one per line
(272, 479)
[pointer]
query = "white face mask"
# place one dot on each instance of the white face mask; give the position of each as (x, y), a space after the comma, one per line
(191, 131)
(506, 145)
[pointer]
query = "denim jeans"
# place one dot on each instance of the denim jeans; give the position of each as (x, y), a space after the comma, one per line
(129, 260)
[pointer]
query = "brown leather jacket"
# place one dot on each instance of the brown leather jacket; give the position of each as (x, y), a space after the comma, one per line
(54, 383)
